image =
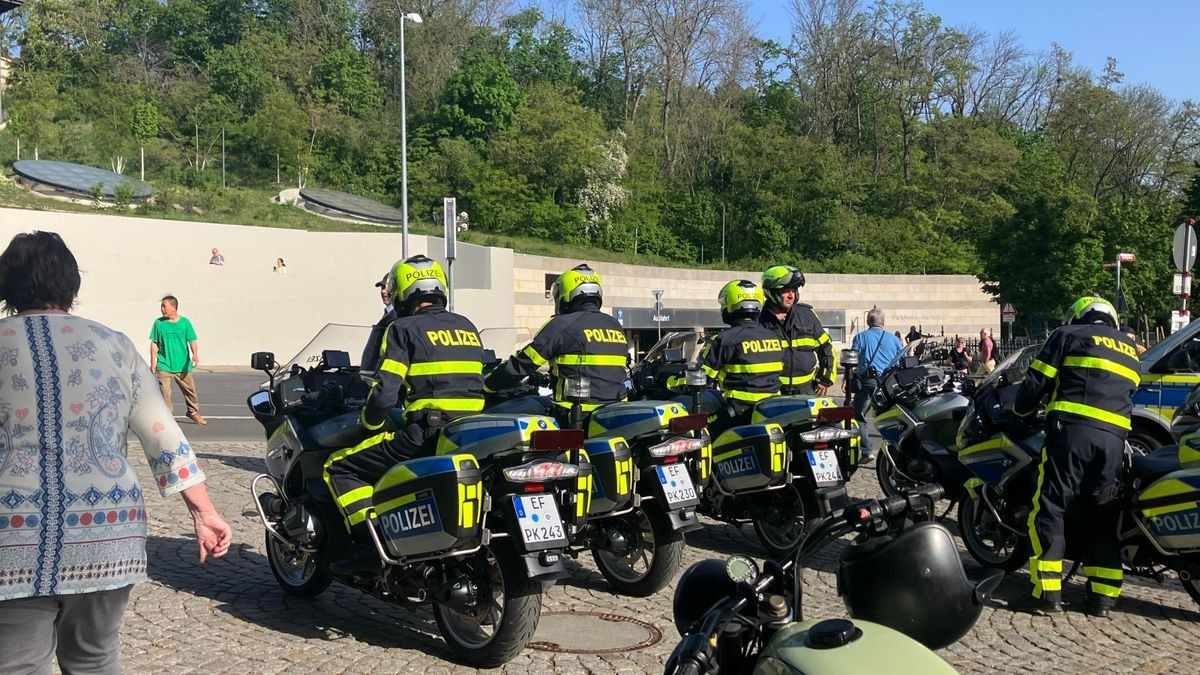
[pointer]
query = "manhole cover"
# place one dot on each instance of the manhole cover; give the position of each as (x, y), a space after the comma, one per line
(592, 633)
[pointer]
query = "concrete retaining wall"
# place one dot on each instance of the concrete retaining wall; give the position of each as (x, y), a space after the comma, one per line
(129, 263)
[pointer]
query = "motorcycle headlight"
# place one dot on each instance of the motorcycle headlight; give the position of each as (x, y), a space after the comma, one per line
(537, 472)
(827, 434)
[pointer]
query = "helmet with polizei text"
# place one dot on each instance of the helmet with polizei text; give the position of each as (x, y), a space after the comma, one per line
(1092, 309)
(578, 284)
(780, 278)
(740, 299)
(417, 279)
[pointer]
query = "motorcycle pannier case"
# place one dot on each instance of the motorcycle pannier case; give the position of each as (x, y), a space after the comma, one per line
(430, 505)
(750, 457)
(1168, 510)
(612, 474)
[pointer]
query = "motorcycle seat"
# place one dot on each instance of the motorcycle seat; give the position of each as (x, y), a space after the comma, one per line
(1156, 464)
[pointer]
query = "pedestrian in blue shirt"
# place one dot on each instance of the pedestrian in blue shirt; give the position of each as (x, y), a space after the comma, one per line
(876, 347)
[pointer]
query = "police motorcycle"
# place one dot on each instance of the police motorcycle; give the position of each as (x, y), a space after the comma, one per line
(1159, 525)
(473, 530)
(918, 407)
(904, 587)
(642, 456)
(780, 473)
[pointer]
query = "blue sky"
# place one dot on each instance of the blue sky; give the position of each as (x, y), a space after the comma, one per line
(1155, 42)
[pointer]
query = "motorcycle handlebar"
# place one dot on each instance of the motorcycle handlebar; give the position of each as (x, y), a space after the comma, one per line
(694, 654)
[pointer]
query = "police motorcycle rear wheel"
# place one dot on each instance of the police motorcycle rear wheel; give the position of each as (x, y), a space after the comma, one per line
(990, 542)
(506, 615)
(299, 572)
(789, 518)
(653, 551)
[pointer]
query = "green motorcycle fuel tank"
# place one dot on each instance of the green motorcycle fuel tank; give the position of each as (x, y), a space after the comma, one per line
(840, 646)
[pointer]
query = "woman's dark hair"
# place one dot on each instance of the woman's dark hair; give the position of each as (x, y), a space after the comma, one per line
(38, 271)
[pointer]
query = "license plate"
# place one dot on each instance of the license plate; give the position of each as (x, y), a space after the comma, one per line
(538, 519)
(825, 466)
(676, 484)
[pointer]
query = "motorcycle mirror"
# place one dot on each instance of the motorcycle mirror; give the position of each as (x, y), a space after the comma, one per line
(262, 361)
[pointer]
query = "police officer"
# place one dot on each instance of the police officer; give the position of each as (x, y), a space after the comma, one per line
(1090, 370)
(371, 355)
(745, 359)
(578, 341)
(433, 366)
(809, 361)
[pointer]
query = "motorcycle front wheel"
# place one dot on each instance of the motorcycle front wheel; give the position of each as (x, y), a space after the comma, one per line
(989, 541)
(790, 516)
(653, 553)
(891, 479)
(298, 572)
(505, 616)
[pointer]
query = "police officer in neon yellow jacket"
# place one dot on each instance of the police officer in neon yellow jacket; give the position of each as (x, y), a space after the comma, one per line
(809, 361)
(432, 364)
(1090, 370)
(744, 360)
(578, 341)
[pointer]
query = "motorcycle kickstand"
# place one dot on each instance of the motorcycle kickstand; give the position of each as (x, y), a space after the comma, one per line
(953, 503)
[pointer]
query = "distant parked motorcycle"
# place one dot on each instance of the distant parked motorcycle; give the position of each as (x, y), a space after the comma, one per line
(782, 472)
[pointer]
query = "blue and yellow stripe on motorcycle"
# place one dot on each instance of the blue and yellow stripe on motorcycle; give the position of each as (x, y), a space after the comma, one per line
(481, 428)
(775, 436)
(1183, 484)
(804, 408)
(613, 418)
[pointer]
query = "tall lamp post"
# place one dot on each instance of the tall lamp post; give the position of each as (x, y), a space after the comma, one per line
(415, 18)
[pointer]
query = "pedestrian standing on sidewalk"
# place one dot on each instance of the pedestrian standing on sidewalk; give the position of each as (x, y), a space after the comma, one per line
(73, 519)
(174, 354)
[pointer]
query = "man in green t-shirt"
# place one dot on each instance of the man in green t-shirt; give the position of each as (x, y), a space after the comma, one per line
(174, 354)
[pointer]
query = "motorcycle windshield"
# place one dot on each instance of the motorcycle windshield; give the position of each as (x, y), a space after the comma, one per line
(506, 340)
(1014, 366)
(687, 342)
(338, 336)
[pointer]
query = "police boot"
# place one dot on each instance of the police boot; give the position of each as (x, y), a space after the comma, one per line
(363, 559)
(1098, 605)
(1039, 606)
(362, 562)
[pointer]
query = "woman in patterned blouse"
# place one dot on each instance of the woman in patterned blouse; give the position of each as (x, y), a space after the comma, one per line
(72, 518)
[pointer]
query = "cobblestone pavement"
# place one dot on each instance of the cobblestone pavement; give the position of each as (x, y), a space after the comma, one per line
(231, 617)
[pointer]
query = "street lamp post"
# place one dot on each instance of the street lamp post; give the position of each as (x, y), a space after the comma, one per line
(415, 18)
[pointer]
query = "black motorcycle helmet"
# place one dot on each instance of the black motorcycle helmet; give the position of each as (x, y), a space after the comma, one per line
(914, 583)
(702, 585)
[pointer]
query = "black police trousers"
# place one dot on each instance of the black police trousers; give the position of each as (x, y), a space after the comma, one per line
(351, 473)
(1080, 469)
